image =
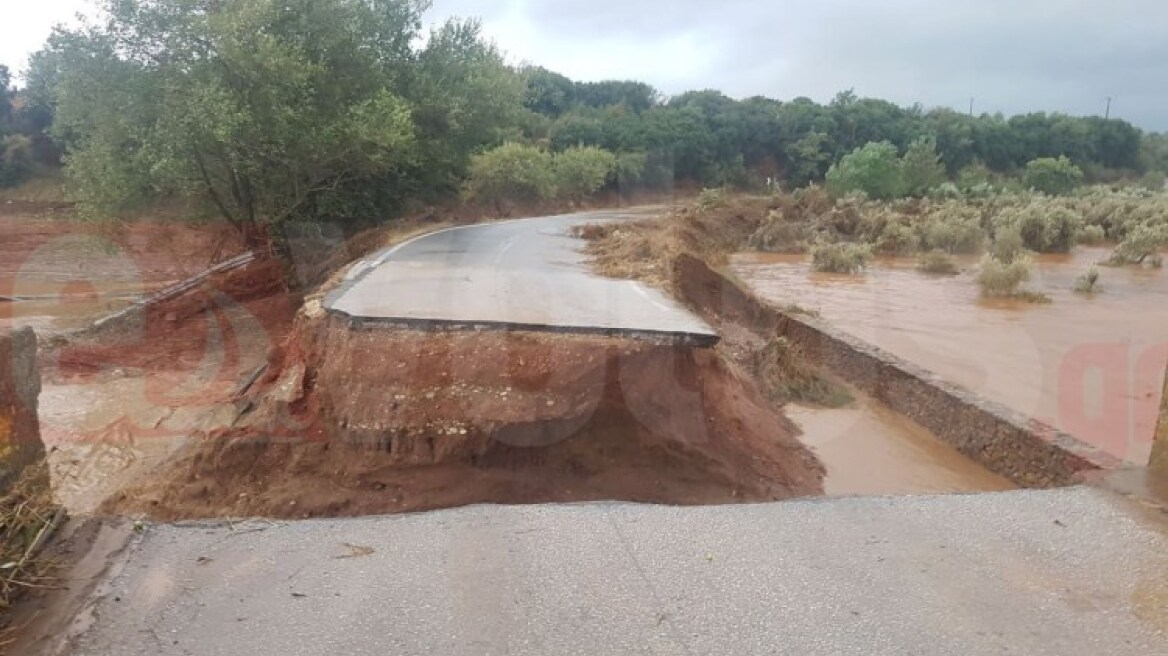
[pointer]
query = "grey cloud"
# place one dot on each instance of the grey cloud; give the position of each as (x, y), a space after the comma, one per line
(1013, 56)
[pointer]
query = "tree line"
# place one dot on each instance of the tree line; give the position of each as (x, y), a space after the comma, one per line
(346, 110)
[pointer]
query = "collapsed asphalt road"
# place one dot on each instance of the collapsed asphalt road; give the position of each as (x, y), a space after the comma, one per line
(527, 274)
(1063, 572)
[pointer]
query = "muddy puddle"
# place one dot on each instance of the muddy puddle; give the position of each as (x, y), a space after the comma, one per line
(111, 423)
(870, 450)
(1090, 365)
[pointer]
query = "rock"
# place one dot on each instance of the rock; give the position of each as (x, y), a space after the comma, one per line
(20, 388)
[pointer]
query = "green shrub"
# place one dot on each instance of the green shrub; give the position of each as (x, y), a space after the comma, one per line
(630, 168)
(921, 168)
(1056, 177)
(873, 169)
(937, 262)
(945, 191)
(974, 176)
(1008, 245)
(898, 238)
(16, 159)
(711, 199)
(1142, 246)
(1000, 279)
(1092, 235)
(1153, 181)
(954, 228)
(581, 171)
(1045, 227)
(840, 257)
(512, 171)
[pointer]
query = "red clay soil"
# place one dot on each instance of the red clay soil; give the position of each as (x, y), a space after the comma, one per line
(174, 337)
(41, 240)
(370, 421)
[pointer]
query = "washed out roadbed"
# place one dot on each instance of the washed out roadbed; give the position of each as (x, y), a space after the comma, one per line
(353, 420)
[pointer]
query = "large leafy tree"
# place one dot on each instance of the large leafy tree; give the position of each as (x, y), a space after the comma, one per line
(271, 109)
(5, 99)
(873, 169)
(921, 167)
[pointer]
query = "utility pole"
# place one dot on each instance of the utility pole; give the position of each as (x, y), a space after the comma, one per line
(971, 108)
(1107, 115)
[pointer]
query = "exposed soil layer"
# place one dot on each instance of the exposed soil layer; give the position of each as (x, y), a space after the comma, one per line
(394, 421)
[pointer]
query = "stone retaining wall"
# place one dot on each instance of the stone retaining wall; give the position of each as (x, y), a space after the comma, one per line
(1027, 451)
(20, 386)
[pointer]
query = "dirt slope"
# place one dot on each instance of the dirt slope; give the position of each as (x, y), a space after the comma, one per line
(363, 422)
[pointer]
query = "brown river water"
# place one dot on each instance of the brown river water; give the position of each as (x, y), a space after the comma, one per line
(1091, 365)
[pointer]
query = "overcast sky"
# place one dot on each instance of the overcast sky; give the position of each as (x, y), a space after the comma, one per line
(1010, 55)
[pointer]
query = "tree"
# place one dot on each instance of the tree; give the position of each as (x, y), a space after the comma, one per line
(577, 129)
(637, 96)
(874, 169)
(809, 158)
(512, 171)
(921, 167)
(953, 133)
(1055, 177)
(581, 171)
(5, 100)
(548, 93)
(462, 97)
(630, 168)
(270, 111)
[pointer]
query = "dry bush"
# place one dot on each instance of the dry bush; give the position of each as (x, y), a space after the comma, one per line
(840, 258)
(936, 262)
(1092, 235)
(1088, 283)
(786, 377)
(645, 250)
(1000, 279)
(954, 228)
(27, 519)
(1142, 246)
(777, 234)
(1045, 226)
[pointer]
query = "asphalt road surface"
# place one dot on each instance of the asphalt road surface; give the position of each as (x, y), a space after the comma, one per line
(528, 274)
(1063, 572)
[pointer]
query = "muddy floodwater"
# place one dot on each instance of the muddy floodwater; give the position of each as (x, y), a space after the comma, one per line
(871, 450)
(57, 306)
(1092, 365)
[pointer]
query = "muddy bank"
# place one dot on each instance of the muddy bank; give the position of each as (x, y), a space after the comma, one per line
(357, 421)
(118, 403)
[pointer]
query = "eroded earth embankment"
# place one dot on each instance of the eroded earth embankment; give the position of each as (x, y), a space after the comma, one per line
(357, 420)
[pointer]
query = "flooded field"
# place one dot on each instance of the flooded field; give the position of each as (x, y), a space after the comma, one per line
(1090, 365)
